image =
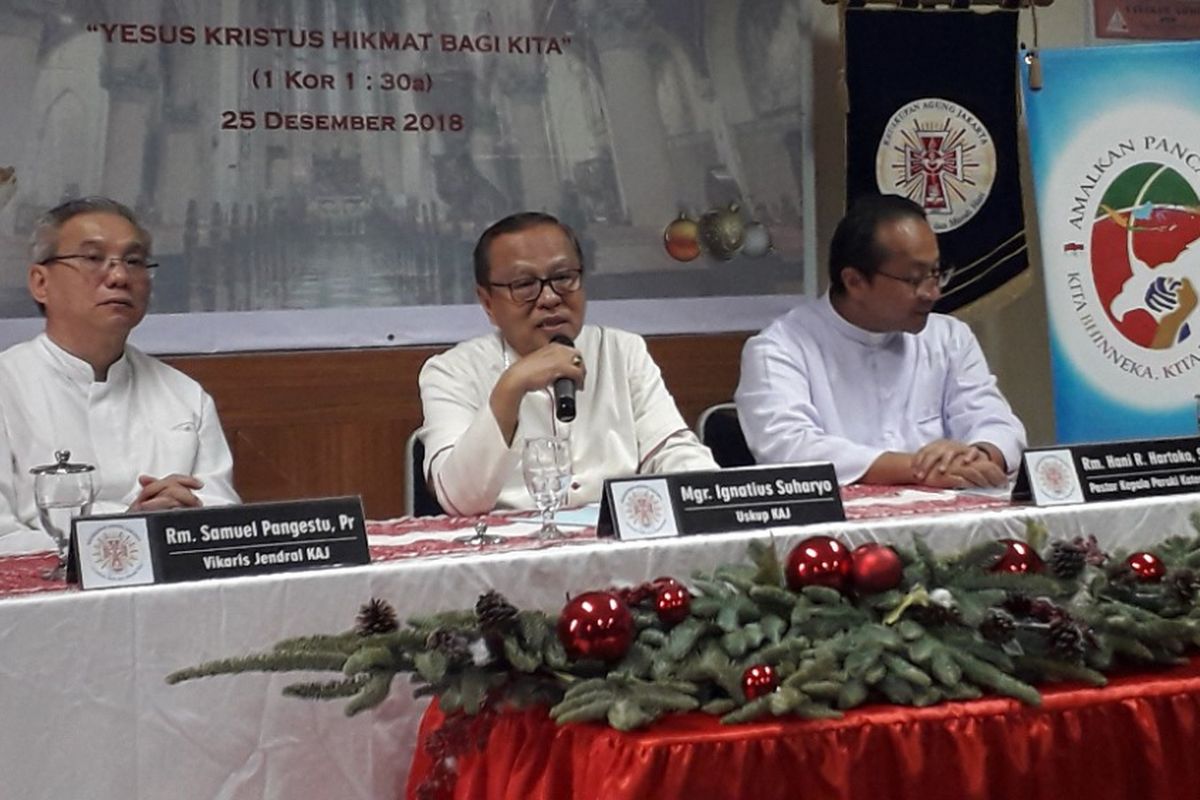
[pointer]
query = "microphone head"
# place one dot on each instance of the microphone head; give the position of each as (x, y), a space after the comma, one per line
(562, 338)
(564, 405)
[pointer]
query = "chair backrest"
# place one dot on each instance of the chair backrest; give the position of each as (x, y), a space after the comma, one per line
(418, 500)
(718, 428)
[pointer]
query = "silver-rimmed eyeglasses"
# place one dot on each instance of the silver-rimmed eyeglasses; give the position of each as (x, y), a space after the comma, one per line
(96, 263)
(526, 290)
(937, 279)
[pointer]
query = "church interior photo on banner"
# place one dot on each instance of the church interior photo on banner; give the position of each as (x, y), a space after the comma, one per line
(581, 399)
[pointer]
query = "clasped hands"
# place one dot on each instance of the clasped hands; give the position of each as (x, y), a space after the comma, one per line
(172, 491)
(948, 464)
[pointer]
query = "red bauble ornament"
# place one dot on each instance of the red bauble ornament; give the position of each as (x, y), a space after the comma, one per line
(819, 561)
(596, 625)
(876, 568)
(672, 602)
(682, 239)
(759, 680)
(1148, 567)
(1018, 557)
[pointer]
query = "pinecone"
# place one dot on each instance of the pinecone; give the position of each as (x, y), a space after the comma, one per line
(1018, 604)
(1067, 638)
(452, 644)
(1043, 609)
(934, 614)
(1183, 584)
(998, 626)
(376, 616)
(1067, 559)
(1091, 550)
(495, 614)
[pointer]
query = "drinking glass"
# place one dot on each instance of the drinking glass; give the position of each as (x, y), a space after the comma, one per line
(62, 492)
(546, 464)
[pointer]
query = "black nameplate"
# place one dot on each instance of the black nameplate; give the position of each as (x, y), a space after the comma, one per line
(1109, 471)
(219, 541)
(746, 498)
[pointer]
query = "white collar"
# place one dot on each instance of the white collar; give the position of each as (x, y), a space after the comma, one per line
(852, 331)
(508, 355)
(79, 371)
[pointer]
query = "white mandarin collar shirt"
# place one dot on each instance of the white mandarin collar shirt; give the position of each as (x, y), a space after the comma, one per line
(626, 423)
(146, 419)
(815, 387)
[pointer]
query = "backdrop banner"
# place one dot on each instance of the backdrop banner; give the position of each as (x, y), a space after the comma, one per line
(315, 174)
(1114, 138)
(939, 125)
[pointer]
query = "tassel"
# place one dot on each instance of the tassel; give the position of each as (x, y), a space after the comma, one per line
(1035, 70)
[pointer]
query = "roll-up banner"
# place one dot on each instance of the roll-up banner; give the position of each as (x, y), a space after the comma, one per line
(1114, 138)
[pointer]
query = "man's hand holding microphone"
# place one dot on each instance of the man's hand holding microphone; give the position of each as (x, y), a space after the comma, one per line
(557, 364)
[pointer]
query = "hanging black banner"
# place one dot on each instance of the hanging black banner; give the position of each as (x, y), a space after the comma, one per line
(933, 116)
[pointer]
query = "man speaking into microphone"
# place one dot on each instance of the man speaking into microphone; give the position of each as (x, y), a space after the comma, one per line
(543, 372)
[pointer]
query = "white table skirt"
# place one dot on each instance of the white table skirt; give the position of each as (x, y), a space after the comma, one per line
(85, 712)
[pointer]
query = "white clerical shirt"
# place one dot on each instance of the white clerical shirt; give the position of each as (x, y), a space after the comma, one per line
(814, 387)
(146, 419)
(626, 423)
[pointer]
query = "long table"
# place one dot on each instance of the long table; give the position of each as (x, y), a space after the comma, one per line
(84, 709)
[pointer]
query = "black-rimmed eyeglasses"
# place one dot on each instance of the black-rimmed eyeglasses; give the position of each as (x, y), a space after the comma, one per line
(96, 264)
(526, 290)
(937, 279)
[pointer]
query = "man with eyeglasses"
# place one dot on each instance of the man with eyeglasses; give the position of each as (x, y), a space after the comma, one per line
(869, 378)
(151, 432)
(482, 398)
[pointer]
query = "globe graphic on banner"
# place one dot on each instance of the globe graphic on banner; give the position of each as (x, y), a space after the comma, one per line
(1145, 259)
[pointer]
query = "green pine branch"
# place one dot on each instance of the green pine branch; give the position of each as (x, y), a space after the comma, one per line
(939, 635)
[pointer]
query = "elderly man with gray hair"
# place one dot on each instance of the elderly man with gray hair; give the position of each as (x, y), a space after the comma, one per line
(150, 431)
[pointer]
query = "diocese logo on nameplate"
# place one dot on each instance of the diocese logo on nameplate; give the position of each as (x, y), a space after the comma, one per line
(644, 508)
(938, 154)
(1117, 171)
(114, 552)
(1053, 478)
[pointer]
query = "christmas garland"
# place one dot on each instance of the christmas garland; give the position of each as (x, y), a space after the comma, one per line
(824, 631)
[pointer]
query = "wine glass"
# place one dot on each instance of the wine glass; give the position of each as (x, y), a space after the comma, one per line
(62, 492)
(546, 465)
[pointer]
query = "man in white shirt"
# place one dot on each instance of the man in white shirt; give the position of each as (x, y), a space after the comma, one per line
(867, 377)
(484, 397)
(150, 431)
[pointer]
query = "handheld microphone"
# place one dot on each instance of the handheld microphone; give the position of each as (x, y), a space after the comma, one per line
(564, 388)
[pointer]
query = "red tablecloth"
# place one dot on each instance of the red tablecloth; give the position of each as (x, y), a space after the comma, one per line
(1136, 738)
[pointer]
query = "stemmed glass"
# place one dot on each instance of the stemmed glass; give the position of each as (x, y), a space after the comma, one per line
(480, 538)
(546, 464)
(62, 492)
